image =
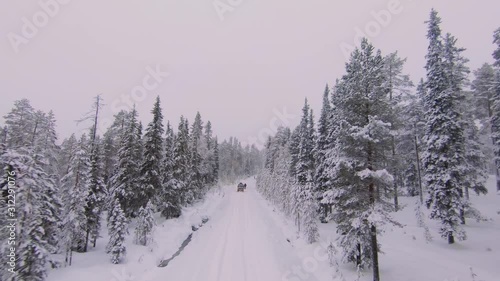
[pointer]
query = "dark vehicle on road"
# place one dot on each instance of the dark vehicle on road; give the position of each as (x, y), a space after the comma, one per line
(241, 187)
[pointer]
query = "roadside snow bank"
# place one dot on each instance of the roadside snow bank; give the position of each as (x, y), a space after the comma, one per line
(140, 261)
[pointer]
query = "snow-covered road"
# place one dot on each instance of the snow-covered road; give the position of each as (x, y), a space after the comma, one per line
(240, 243)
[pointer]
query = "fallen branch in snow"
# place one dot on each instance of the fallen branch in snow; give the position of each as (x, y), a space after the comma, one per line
(473, 275)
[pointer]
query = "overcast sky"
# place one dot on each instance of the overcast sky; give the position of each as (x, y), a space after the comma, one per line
(238, 62)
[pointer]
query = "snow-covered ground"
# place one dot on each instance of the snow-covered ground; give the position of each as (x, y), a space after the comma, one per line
(246, 239)
(140, 261)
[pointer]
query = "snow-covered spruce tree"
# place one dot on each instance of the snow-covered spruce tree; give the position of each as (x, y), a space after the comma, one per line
(181, 153)
(75, 190)
(20, 125)
(3, 135)
(483, 89)
(411, 140)
(31, 247)
(124, 183)
(139, 148)
(150, 171)
(45, 153)
(294, 148)
(46, 143)
(476, 168)
(211, 175)
(495, 117)
(273, 145)
(216, 164)
(268, 161)
(304, 197)
(309, 212)
(169, 201)
(280, 184)
(143, 234)
(97, 193)
(111, 144)
(444, 158)
(303, 146)
(97, 189)
(321, 178)
(33, 133)
(196, 148)
(398, 86)
(330, 161)
(482, 109)
(117, 229)
(362, 142)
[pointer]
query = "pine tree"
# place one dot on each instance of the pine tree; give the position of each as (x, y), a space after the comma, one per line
(321, 178)
(3, 135)
(309, 208)
(20, 124)
(111, 144)
(124, 183)
(32, 248)
(145, 226)
(362, 140)
(180, 176)
(153, 157)
(216, 163)
(196, 176)
(330, 161)
(75, 191)
(45, 152)
(117, 229)
(476, 170)
(483, 92)
(304, 146)
(411, 143)
(210, 160)
(96, 195)
(170, 199)
(495, 117)
(444, 158)
(397, 86)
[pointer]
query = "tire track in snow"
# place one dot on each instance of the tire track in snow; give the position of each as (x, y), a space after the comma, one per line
(243, 239)
(223, 254)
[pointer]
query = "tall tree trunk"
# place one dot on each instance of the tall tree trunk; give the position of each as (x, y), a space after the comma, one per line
(462, 207)
(66, 259)
(374, 245)
(86, 240)
(451, 239)
(498, 174)
(298, 221)
(373, 229)
(395, 184)
(419, 178)
(70, 256)
(396, 203)
(358, 256)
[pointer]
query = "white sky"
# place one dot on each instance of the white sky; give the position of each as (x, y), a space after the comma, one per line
(263, 55)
